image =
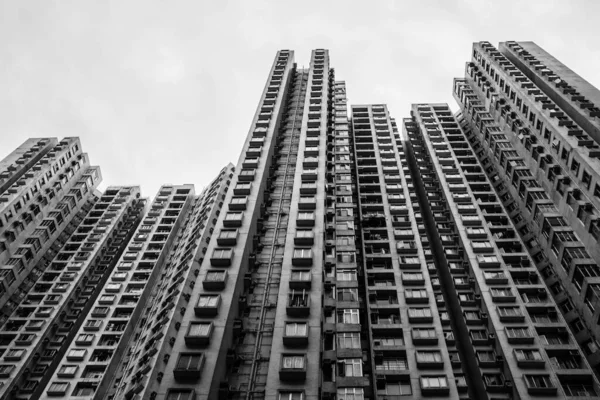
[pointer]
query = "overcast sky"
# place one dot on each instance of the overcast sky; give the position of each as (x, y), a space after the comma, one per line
(164, 91)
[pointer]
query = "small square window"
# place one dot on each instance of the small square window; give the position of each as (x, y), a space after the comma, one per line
(293, 367)
(207, 305)
(199, 333)
(188, 367)
(295, 334)
(221, 257)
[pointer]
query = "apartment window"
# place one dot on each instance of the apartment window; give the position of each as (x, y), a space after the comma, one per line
(349, 316)
(502, 293)
(421, 314)
(429, 357)
(586, 178)
(429, 383)
(300, 276)
(92, 324)
(346, 275)
(14, 354)
(233, 219)
(303, 254)
(347, 294)
(227, 237)
(538, 382)
(207, 305)
(416, 295)
(208, 301)
(84, 339)
(76, 354)
(189, 366)
(5, 370)
(423, 333)
(412, 276)
(575, 167)
(346, 257)
(222, 254)
(58, 389)
(400, 388)
(181, 394)
(579, 389)
(528, 355)
(306, 219)
(350, 393)
(350, 367)
(576, 325)
(296, 329)
(291, 395)
(349, 340)
(519, 335)
(199, 333)
(293, 363)
(510, 312)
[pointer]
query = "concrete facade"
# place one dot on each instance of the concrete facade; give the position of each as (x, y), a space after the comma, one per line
(543, 161)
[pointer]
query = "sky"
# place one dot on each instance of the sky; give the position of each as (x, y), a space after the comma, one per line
(165, 91)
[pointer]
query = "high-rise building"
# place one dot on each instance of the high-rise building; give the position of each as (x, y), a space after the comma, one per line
(38, 332)
(339, 258)
(534, 124)
(46, 187)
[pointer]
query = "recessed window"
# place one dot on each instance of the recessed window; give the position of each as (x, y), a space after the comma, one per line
(539, 384)
(349, 316)
(349, 367)
(586, 179)
(347, 294)
(400, 388)
(348, 340)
